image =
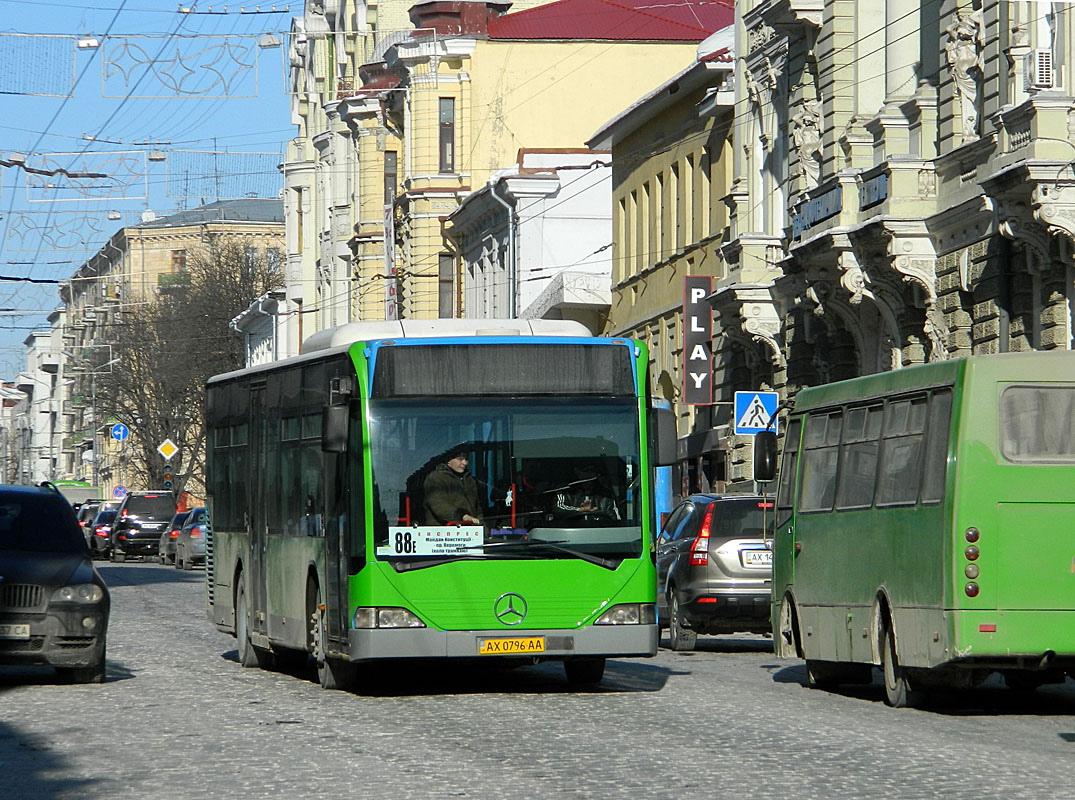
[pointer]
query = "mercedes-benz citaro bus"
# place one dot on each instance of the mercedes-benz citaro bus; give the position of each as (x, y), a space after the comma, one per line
(343, 529)
(926, 525)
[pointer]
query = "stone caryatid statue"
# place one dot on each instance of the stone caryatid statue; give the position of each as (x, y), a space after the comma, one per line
(807, 139)
(966, 35)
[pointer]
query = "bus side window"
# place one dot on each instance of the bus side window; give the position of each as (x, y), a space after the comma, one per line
(821, 449)
(901, 451)
(933, 476)
(786, 478)
(858, 458)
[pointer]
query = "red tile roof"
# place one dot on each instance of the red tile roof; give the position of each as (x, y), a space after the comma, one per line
(624, 20)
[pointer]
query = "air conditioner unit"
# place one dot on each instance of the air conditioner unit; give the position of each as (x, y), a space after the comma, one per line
(1038, 70)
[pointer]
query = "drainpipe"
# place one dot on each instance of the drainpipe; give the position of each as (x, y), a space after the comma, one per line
(511, 249)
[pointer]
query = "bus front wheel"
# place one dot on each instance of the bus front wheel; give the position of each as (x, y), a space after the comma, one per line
(584, 671)
(898, 691)
(332, 673)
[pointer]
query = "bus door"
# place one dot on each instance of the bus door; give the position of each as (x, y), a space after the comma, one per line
(337, 525)
(257, 522)
(784, 544)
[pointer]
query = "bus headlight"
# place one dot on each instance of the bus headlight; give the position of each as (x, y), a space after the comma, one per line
(373, 617)
(629, 614)
(79, 593)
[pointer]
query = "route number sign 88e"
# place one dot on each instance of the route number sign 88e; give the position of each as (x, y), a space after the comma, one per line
(433, 540)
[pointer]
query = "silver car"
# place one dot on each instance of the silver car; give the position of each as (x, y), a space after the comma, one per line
(714, 571)
(190, 546)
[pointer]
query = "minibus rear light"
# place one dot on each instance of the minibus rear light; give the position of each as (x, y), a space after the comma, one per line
(987, 627)
(766, 504)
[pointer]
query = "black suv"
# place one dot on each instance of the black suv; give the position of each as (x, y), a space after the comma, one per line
(140, 519)
(53, 604)
(714, 571)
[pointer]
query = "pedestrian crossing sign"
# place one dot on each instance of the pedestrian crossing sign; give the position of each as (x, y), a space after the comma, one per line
(754, 410)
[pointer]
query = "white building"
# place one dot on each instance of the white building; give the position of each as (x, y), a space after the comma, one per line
(535, 241)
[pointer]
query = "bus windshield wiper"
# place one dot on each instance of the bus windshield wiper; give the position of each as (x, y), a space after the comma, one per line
(607, 563)
(411, 563)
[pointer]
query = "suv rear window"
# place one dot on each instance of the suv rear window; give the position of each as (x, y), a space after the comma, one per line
(40, 524)
(160, 506)
(741, 519)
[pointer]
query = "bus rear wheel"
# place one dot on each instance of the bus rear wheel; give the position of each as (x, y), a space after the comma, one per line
(898, 691)
(249, 654)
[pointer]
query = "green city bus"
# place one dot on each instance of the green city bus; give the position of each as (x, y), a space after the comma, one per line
(323, 545)
(925, 525)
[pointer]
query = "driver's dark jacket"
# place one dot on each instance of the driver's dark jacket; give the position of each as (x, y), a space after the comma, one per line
(449, 495)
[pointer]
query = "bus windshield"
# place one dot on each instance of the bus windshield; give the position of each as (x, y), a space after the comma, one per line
(541, 478)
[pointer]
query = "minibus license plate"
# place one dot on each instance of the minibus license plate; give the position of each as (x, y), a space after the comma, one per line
(14, 631)
(757, 558)
(507, 647)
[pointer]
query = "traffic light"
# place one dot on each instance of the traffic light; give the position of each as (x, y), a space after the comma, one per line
(167, 480)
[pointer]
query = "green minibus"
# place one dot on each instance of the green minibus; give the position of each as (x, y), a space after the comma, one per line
(925, 524)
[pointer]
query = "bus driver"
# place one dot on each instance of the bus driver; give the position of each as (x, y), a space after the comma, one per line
(451, 493)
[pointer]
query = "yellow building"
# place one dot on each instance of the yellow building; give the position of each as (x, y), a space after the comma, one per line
(136, 263)
(671, 166)
(458, 100)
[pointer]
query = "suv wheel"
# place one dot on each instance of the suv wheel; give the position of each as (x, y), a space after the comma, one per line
(681, 637)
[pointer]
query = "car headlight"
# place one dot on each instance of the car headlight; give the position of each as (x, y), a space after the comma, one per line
(79, 593)
(372, 617)
(629, 614)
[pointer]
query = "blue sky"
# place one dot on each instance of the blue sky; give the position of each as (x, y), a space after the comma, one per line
(197, 88)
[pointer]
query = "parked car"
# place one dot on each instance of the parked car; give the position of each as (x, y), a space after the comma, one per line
(190, 547)
(140, 519)
(53, 603)
(100, 532)
(169, 536)
(714, 571)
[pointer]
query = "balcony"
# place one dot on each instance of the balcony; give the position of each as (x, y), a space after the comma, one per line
(173, 280)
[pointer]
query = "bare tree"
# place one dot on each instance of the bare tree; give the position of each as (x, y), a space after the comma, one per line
(166, 350)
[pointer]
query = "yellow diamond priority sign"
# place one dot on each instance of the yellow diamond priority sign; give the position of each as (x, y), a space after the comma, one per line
(167, 448)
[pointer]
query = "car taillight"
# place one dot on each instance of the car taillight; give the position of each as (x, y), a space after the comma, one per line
(700, 546)
(174, 534)
(124, 513)
(100, 530)
(197, 531)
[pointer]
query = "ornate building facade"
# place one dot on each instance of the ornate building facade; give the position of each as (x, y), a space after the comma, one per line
(905, 190)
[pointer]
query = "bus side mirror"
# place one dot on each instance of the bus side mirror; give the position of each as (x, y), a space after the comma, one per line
(666, 436)
(765, 456)
(334, 425)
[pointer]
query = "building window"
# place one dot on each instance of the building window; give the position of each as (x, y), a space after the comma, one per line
(445, 284)
(447, 134)
(272, 259)
(391, 175)
(179, 261)
(250, 257)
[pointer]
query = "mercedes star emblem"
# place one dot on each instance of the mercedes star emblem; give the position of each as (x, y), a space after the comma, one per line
(510, 608)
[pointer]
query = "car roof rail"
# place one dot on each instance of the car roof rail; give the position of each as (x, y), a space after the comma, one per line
(49, 485)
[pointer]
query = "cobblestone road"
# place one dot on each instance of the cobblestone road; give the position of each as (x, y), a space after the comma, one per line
(179, 718)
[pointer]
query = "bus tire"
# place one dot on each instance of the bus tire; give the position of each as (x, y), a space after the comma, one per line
(584, 671)
(249, 654)
(680, 637)
(332, 673)
(786, 641)
(898, 690)
(822, 674)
